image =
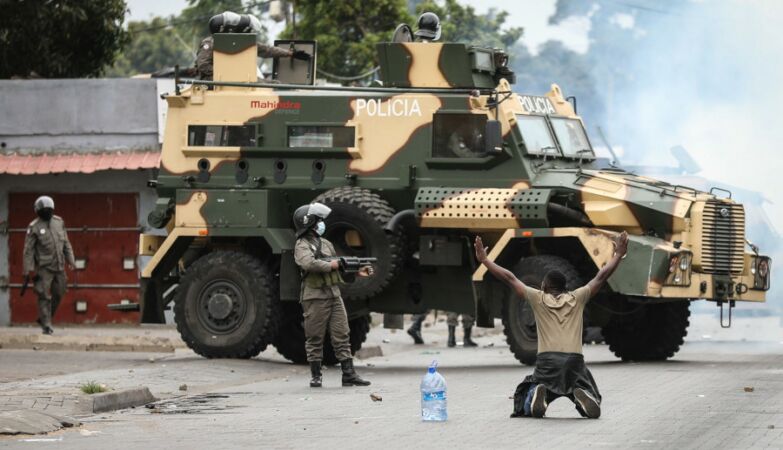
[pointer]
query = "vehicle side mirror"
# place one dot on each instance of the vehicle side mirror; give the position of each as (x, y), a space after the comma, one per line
(493, 137)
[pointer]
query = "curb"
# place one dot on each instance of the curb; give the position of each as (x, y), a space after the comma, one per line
(110, 401)
(159, 345)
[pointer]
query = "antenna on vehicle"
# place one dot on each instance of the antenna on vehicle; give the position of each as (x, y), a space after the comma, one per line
(615, 160)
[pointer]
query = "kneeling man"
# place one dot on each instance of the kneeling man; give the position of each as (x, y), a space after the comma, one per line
(560, 367)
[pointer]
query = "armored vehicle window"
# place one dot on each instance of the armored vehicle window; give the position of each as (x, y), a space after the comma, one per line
(458, 135)
(321, 136)
(571, 136)
(536, 134)
(222, 135)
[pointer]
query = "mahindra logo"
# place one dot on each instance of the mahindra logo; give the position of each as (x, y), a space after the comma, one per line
(724, 212)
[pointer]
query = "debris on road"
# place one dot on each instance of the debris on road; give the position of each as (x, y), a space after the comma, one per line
(376, 397)
(749, 389)
(183, 387)
(85, 432)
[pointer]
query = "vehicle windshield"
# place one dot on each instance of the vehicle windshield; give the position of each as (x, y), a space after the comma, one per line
(572, 138)
(536, 134)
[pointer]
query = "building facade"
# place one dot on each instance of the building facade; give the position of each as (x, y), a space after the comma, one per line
(91, 145)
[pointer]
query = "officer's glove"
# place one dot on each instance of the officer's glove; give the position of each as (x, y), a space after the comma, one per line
(301, 55)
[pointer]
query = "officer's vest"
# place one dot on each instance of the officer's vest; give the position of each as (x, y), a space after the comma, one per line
(318, 280)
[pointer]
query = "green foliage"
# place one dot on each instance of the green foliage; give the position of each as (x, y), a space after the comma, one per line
(153, 46)
(347, 31)
(93, 387)
(162, 43)
(462, 24)
(60, 38)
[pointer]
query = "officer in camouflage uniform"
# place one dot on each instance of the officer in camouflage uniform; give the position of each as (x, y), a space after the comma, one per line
(229, 22)
(467, 327)
(46, 251)
(320, 294)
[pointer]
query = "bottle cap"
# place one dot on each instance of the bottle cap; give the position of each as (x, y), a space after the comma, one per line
(433, 366)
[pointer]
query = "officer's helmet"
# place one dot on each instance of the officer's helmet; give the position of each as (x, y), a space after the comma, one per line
(42, 202)
(428, 27)
(231, 22)
(305, 217)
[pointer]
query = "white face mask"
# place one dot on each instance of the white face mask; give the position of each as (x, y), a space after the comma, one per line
(320, 227)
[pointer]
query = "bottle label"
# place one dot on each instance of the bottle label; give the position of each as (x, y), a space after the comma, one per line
(437, 395)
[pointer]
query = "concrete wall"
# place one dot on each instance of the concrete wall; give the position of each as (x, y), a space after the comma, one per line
(108, 181)
(78, 115)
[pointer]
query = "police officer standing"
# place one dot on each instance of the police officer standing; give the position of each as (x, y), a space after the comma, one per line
(46, 251)
(230, 22)
(320, 294)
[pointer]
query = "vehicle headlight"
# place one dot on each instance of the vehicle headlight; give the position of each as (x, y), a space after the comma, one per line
(679, 269)
(684, 262)
(673, 264)
(764, 268)
(761, 272)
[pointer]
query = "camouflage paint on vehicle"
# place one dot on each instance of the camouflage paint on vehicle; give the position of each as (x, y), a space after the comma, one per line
(515, 198)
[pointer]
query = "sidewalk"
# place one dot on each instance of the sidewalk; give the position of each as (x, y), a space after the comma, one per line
(144, 338)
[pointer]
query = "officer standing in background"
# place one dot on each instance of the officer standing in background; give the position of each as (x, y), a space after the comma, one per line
(320, 294)
(46, 251)
(230, 22)
(467, 327)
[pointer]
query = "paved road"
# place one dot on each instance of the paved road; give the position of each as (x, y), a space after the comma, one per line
(697, 400)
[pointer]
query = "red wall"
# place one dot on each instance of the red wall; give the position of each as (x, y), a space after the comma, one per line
(104, 250)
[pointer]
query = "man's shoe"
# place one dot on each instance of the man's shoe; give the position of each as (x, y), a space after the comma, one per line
(315, 372)
(48, 330)
(538, 405)
(415, 333)
(350, 377)
(452, 339)
(587, 403)
(466, 340)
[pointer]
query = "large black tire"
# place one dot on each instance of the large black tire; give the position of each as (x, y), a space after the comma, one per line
(290, 340)
(363, 212)
(519, 323)
(654, 333)
(225, 306)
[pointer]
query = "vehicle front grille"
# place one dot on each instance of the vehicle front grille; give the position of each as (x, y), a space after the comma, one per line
(723, 238)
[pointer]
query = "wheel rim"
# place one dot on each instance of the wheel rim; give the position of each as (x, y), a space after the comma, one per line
(221, 306)
(343, 237)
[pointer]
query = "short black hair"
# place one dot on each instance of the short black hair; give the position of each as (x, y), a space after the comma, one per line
(555, 280)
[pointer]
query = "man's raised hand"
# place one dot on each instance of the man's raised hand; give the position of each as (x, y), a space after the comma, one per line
(621, 244)
(481, 251)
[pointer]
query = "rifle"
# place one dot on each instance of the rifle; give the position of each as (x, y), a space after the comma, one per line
(25, 283)
(352, 264)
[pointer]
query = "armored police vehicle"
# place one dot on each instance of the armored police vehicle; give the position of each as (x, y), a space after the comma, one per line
(413, 167)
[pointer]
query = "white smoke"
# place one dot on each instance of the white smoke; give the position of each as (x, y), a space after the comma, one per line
(709, 80)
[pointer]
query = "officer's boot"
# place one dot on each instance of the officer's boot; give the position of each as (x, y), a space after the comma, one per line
(415, 329)
(452, 339)
(350, 377)
(315, 371)
(466, 340)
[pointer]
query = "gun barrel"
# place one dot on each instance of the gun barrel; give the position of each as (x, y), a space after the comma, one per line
(25, 284)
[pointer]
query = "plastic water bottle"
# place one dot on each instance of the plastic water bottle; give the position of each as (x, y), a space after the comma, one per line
(433, 395)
